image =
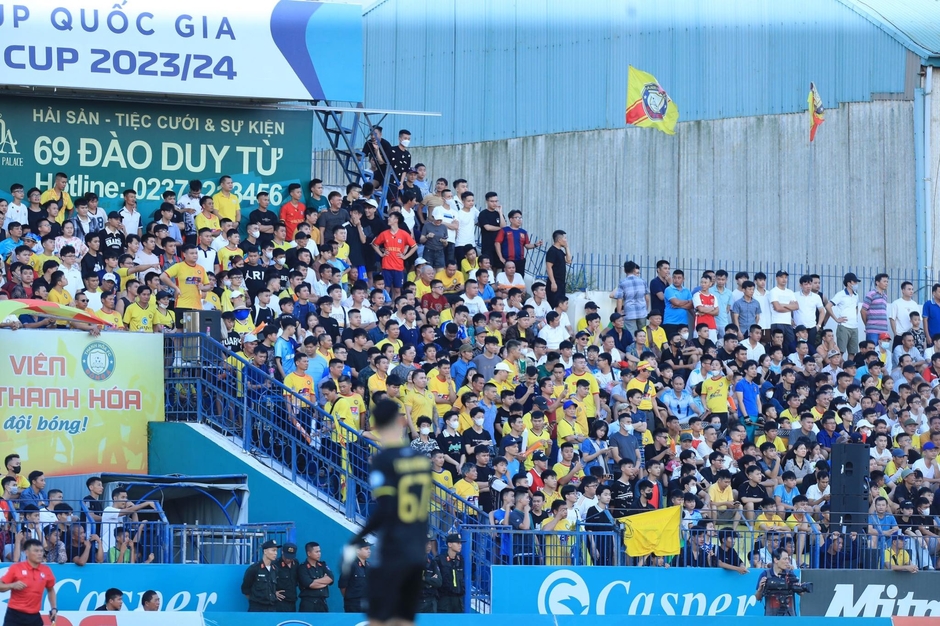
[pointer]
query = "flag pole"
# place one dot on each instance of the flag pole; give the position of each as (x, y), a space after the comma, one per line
(812, 184)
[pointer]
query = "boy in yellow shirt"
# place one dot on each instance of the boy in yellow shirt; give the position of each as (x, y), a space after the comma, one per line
(441, 476)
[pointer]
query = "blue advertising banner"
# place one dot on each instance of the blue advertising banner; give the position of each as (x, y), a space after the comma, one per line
(196, 588)
(333, 619)
(623, 591)
(269, 49)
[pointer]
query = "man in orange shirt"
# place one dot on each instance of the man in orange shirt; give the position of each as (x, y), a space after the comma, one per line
(292, 212)
(394, 246)
(26, 581)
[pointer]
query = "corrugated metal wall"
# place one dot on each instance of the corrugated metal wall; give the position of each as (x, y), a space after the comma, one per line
(744, 188)
(498, 69)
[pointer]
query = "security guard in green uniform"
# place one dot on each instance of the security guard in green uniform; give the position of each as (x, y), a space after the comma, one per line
(286, 570)
(260, 582)
(430, 580)
(452, 587)
(353, 585)
(314, 578)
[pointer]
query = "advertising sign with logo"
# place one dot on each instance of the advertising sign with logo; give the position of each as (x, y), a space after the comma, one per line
(623, 591)
(469, 619)
(861, 593)
(76, 404)
(270, 49)
(108, 147)
(184, 590)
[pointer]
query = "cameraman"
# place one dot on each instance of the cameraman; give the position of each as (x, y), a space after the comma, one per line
(776, 603)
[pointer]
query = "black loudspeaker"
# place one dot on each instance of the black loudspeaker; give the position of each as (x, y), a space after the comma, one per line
(849, 475)
(848, 510)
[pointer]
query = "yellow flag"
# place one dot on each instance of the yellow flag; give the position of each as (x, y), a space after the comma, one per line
(816, 111)
(655, 532)
(648, 104)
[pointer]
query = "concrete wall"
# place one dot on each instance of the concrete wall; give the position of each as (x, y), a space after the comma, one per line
(748, 188)
(178, 448)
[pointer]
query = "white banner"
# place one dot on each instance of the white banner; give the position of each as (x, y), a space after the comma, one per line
(276, 49)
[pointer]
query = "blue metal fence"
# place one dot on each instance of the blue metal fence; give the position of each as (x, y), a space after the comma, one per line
(485, 546)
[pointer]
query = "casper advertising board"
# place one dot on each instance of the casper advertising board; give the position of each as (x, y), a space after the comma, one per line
(623, 591)
(271, 49)
(71, 403)
(107, 147)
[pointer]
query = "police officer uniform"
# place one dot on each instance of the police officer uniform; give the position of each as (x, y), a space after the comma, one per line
(430, 582)
(354, 583)
(451, 598)
(286, 570)
(313, 600)
(260, 584)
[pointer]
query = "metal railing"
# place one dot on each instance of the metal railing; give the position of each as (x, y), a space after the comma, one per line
(485, 546)
(120, 535)
(200, 544)
(289, 433)
(603, 272)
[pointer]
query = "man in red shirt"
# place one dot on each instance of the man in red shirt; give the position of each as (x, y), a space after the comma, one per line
(394, 246)
(292, 211)
(539, 465)
(26, 581)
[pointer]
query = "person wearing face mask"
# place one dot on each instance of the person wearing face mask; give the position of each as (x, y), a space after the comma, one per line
(476, 436)
(13, 465)
(425, 443)
(623, 443)
(400, 157)
(676, 354)
(253, 240)
(449, 441)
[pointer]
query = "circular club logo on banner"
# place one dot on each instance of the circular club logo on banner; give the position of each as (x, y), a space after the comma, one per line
(98, 361)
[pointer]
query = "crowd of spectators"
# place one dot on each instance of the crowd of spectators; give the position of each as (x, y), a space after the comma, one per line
(90, 530)
(725, 399)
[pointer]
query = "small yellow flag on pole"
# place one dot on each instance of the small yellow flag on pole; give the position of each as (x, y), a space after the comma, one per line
(655, 532)
(816, 111)
(648, 104)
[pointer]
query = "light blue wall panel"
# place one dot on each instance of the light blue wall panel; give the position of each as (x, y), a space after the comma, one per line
(498, 69)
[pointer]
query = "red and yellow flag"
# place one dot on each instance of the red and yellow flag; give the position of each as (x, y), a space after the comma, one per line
(816, 111)
(648, 104)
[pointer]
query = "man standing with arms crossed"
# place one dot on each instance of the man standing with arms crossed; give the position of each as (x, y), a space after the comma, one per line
(26, 582)
(556, 267)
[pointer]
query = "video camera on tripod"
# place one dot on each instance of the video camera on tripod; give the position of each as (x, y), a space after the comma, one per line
(779, 592)
(788, 584)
